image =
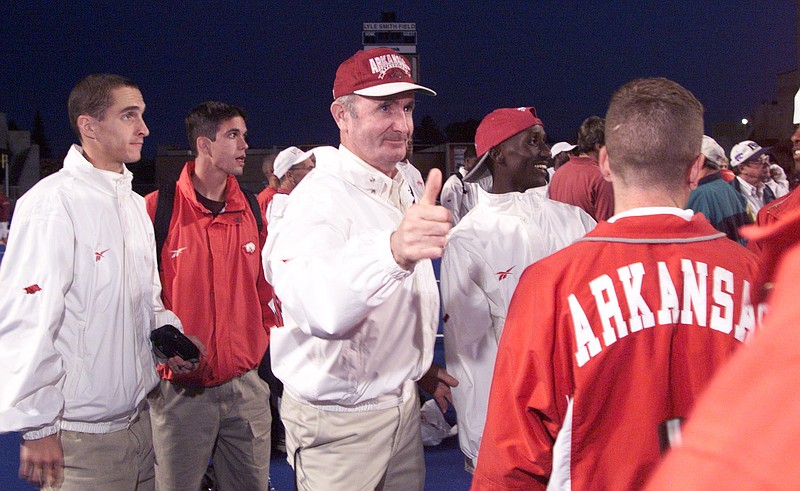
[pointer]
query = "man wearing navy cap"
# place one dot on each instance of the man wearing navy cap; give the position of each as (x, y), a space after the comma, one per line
(350, 262)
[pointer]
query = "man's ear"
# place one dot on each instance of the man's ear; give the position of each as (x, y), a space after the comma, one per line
(85, 125)
(338, 111)
(695, 169)
(605, 168)
(203, 145)
(496, 154)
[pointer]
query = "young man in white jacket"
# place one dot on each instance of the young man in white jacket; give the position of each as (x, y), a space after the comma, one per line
(510, 228)
(80, 296)
(350, 263)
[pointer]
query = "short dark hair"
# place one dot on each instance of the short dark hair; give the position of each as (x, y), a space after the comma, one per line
(205, 118)
(655, 130)
(592, 132)
(92, 96)
(469, 151)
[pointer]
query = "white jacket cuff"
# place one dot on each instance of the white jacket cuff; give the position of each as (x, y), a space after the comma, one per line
(41, 433)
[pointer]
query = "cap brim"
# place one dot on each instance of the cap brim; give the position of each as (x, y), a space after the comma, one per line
(281, 171)
(479, 171)
(393, 88)
(304, 156)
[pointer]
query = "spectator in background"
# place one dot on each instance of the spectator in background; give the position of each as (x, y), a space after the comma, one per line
(560, 153)
(713, 197)
(290, 167)
(609, 338)
(5, 216)
(776, 179)
(272, 183)
(511, 227)
(460, 197)
(579, 181)
(751, 166)
(725, 171)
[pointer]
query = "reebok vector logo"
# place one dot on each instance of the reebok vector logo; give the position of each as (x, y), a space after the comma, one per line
(176, 252)
(501, 275)
(99, 255)
(30, 290)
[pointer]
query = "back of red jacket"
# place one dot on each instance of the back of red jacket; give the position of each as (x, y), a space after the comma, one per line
(604, 341)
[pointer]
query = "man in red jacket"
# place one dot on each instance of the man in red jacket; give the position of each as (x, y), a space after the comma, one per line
(613, 336)
(213, 280)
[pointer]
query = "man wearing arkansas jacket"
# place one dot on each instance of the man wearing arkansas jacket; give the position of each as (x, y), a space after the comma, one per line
(612, 337)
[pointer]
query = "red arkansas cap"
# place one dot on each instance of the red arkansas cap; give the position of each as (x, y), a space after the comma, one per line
(375, 73)
(497, 127)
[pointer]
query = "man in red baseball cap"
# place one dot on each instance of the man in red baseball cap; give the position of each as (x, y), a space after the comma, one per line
(511, 227)
(350, 261)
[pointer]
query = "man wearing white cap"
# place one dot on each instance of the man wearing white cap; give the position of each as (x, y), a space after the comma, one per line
(713, 197)
(290, 167)
(511, 227)
(350, 261)
(579, 181)
(560, 153)
(751, 166)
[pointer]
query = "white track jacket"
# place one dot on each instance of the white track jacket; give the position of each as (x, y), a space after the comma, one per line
(79, 295)
(357, 327)
(486, 254)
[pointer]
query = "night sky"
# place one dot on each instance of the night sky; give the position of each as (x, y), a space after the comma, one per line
(278, 59)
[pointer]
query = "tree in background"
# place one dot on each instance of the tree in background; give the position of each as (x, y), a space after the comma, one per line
(427, 133)
(462, 131)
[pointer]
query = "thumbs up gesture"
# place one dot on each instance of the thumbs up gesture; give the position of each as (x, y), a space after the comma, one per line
(423, 232)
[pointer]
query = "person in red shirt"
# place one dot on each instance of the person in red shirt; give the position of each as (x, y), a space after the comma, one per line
(213, 280)
(578, 181)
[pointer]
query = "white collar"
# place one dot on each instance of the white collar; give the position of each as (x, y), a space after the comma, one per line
(653, 210)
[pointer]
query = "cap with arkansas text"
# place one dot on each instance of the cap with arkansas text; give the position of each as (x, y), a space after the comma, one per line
(375, 72)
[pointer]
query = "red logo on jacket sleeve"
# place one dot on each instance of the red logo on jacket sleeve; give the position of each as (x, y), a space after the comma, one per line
(30, 290)
(501, 275)
(99, 255)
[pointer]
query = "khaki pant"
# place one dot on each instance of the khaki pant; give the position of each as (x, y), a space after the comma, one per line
(374, 450)
(109, 461)
(230, 421)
